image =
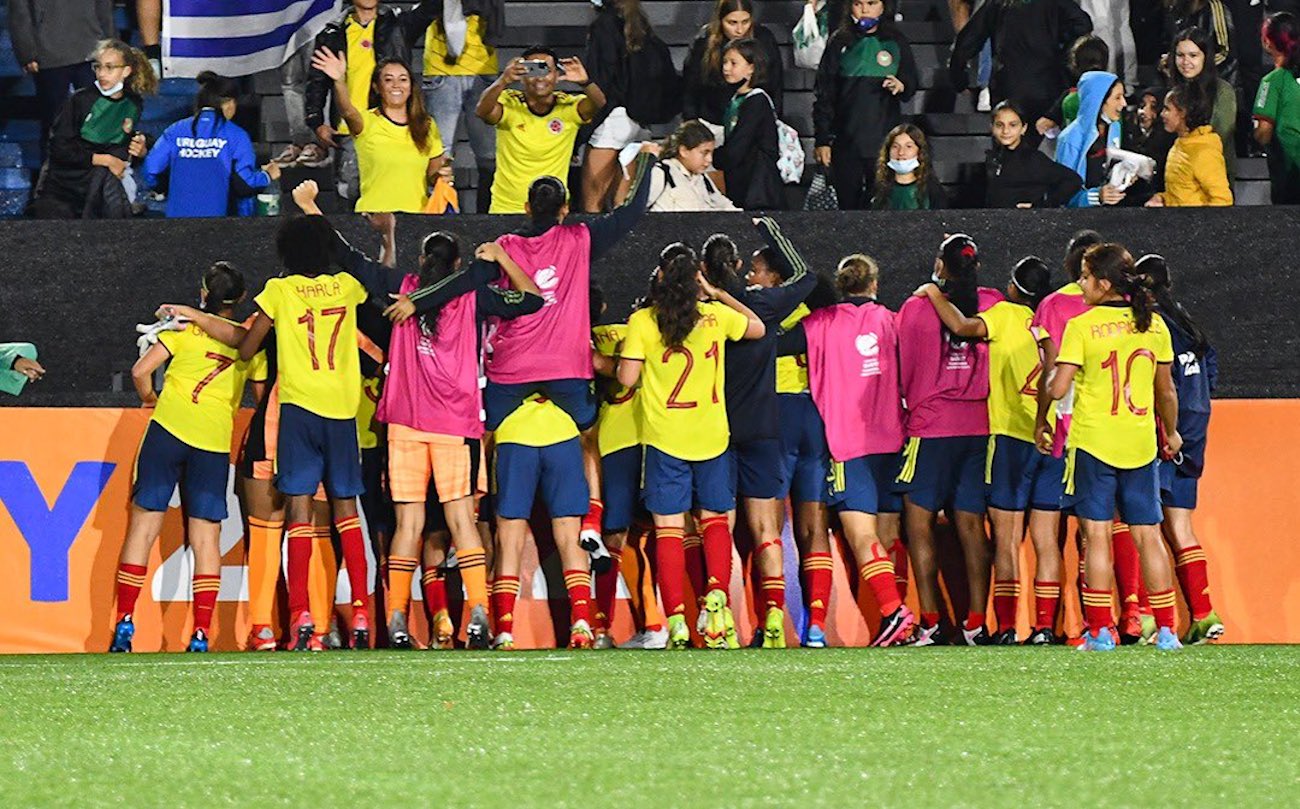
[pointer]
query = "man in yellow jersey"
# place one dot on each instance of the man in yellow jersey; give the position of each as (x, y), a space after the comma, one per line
(367, 33)
(536, 126)
(460, 61)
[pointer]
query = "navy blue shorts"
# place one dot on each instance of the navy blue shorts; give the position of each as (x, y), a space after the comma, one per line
(865, 484)
(672, 486)
(803, 449)
(1019, 476)
(576, 397)
(620, 488)
(519, 472)
(938, 472)
(313, 450)
(1176, 489)
(757, 469)
(165, 461)
(1096, 490)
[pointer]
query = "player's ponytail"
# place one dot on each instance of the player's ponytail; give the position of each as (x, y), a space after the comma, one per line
(675, 294)
(223, 287)
(961, 262)
(721, 261)
(439, 258)
(1111, 262)
(1155, 267)
(1032, 278)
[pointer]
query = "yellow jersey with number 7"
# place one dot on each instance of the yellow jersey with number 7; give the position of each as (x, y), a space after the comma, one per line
(202, 388)
(1114, 391)
(316, 340)
(683, 404)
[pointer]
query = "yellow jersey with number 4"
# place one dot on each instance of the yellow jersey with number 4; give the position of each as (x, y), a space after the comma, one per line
(683, 404)
(1114, 391)
(792, 372)
(1014, 366)
(619, 423)
(202, 388)
(316, 340)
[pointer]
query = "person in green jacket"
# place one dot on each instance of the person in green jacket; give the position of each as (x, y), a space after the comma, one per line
(18, 366)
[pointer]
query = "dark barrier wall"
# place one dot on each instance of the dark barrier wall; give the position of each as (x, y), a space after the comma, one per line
(77, 289)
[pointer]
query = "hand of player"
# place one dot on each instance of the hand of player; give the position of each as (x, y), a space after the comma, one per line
(29, 368)
(382, 223)
(334, 65)
(710, 291)
(1043, 437)
(1173, 444)
(139, 146)
(893, 85)
(573, 70)
(400, 310)
(927, 290)
(325, 134)
(304, 194)
(179, 312)
(490, 251)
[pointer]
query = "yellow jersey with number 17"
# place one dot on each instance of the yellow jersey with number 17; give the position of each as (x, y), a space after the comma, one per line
(792, 372)
(1114, 391)
(202, 388)
(683, 403)
(1014, 367)
(316, 340)
(619, 423)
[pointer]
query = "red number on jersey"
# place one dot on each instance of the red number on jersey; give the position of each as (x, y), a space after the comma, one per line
(223, 362)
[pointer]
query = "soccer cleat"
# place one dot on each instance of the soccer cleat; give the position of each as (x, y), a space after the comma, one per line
(592, 542)
(774, 629)
(334, 638)
(1130, 629)
(1006, 637)
(729, 622)
(1149, 629)
(894, 627)
(679, 634)
(580, 636)
(198, 642)
(1167, 641)
(979, 636)
(755, 640)
(443, 631)
(1103, 641)
(399, 636)
(1041, 637)
(1207, 629)
(815, 638)
(478, 633)
(603, 641)
(317, 644)
(301, 632)
(651, 639)
(715, 626)
(504, 642)
(261, 639)
(122, 635)
(360, 628)
(927, 636)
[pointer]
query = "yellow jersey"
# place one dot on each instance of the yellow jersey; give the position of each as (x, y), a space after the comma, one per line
(792, 372)
(361, 64)
(619, 423)
(538, 422)
(531, 146)
(202, 389)
(1014, 367)
(316, 341)
(1114, 391)
(477, 59)
(367, 436)
(683, 399)
(393, 169)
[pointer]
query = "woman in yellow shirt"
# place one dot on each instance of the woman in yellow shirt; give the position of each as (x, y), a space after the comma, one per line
(1195, 174)
(399, 151)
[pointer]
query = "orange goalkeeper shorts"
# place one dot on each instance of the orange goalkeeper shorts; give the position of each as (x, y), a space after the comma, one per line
(452, 462)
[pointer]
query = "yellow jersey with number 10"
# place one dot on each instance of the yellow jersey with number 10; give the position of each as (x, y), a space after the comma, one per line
(619, 423)
(792, 372)
(1114, 391)
(1014, 367)
(202, 388)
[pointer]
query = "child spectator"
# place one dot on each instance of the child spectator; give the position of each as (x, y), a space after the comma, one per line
(1191, 64)
(1194, 174)
(749, 152)
(1087, 53)
(1083, 144)
(905, 180)
(1142, 132)
(1277, 108)
(706, 93)
(1017, 174)
(681, 180)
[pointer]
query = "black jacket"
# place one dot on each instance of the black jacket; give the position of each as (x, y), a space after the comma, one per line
(748, 157)
(1030, 40)
(66, 175)
(1025, 174)
(606, 60)
(857, 111)
(396, 31)
(706, 97)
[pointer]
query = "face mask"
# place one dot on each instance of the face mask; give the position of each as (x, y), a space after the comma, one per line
(939, 282)
(904, 166)
(865, 24)
(109, 91)
(598, 3)
(736, 85)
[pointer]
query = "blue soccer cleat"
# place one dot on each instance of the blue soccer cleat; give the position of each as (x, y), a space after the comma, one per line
(1103, 641)
(122, 635)
(1167, 641)
(199, 642)
(815, 638)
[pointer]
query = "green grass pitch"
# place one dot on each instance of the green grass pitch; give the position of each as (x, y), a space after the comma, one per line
(907, 727)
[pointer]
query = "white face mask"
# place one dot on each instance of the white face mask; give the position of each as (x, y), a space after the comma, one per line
(109, 91)
(904, 166)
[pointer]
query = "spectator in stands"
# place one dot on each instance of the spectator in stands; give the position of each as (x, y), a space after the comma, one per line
(52, 41)
(1277, 108)
(93, 140)
(1195, 174)
(18, 366)
(208, 158)
(866, 72)
(399, 151)
(460, 61)
(1191, 64)
(1087, 53)
(619, 33)
(537, 126)
(1029, 39)
(1142, 132)
(1017, 174)
(364, 35)
(680, 181)
(1211, 16)
(905, 180)
(148, 18)
(705, 92)
(750, 147)
(302, 149)
(1082, 145)
(1110, 22)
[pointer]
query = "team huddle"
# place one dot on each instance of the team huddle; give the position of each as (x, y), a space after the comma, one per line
(654, 448)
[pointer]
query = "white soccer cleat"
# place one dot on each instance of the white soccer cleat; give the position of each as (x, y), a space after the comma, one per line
(646, 639)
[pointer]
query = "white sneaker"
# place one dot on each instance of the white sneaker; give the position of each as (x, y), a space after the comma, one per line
(984, 103)
(504, 641)
(645, 639)
(288, 156)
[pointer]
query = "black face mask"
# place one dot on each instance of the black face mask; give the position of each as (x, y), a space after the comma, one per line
(733, 86)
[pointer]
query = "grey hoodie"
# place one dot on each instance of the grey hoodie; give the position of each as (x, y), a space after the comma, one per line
(57, 33)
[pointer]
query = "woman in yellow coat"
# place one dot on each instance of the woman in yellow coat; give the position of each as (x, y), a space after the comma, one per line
(1195, 173)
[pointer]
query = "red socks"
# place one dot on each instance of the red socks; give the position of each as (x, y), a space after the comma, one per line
(1194, 578)
(817, 571)
(879, 576)
(301, 537)
(578, 583)
(1128, 569)
(975, 620)
(1006, 597)
(771, 589)
(354, 557)
(1162, 606)
(693, 547)
(717, 553)
(671, 559)
(1097, 610)
(595, 515)
(606, 591)
(898, 555)
(505, 589)
(434, 585)
(1047, 594)
(204, 588)
(130, 578)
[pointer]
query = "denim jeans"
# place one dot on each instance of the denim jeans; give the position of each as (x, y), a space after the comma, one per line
(293, 85)
(451, 98)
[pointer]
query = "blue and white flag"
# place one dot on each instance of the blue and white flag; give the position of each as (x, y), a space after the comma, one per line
(238, 37)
